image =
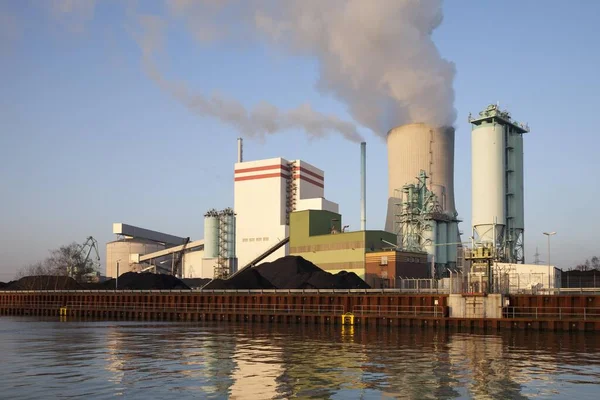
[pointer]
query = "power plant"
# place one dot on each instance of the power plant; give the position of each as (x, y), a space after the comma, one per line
(280, 209)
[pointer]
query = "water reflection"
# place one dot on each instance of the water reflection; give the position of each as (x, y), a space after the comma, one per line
(175, 360)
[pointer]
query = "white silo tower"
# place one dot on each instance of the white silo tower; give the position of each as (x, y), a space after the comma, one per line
(211, 234)
(424, 153)
(497, 183)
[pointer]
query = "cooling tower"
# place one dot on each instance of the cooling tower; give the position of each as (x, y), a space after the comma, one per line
(416, 147)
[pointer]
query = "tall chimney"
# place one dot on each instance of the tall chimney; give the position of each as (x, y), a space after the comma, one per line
(363, 186)
(240, 150)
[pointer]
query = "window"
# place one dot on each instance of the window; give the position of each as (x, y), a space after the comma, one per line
(384, 260)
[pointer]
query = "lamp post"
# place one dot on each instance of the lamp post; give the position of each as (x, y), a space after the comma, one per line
(549, 234)
(117, 278)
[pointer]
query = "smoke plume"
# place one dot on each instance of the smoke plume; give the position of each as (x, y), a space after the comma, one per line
(264, 119)
(377, 57)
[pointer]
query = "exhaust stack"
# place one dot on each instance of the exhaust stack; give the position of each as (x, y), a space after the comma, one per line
(363, 186)
(240, 143)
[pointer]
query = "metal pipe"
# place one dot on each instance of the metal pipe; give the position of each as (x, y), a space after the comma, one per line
(240, 146)
(117, 278)
(363, 186)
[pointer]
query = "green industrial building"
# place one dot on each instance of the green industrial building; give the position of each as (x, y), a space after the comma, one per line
(317, 236)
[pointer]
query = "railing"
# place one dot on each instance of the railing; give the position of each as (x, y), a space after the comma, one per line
(32, 304)
(430, 311)
(419, 290)
(236, 291)
(320, 309)
(560, 313)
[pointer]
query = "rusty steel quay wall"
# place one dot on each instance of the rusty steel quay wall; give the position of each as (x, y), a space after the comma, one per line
(370, 308)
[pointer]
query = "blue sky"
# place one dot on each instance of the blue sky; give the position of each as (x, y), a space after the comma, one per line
(87, 139)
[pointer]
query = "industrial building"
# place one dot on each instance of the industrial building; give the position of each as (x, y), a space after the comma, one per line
(266, 192)
(388, 268)
(421, 210)
(132, 242)
(318, 236)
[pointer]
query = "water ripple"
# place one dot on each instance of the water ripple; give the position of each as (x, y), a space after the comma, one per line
(45, 358)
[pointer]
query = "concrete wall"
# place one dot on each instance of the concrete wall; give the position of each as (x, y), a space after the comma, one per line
(317, 204)
(489, 306)
(528, 276)
(309, 179)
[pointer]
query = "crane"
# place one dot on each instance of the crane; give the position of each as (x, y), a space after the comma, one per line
(85, 250)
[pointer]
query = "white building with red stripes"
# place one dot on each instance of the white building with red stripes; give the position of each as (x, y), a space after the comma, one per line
(265, 193)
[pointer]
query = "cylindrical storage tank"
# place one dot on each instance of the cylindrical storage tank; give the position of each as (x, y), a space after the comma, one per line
(452, 237)
(519, 194)
(430, 239)
(416, 147)
(441, 250)
(211, 234)
(121, 251)
(488, 149)
(230, 221)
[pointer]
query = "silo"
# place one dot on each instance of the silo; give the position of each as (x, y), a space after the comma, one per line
(416, 147)
(488, 146)
(516, 212)
(452, 247)
(497, 179)
(441, 251)
(230, 235)
(121, 251)
(211, 234)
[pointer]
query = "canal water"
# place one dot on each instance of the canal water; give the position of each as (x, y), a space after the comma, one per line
(49, 358)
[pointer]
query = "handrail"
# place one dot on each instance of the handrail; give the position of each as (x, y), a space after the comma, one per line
(585, 313)
(185, 307)
(389, 310)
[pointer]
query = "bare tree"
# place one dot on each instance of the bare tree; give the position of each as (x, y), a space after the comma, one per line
(65, 261)
(588, 266)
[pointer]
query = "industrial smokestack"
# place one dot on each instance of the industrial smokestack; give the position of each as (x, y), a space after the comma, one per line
(240, 157)
(363, 186)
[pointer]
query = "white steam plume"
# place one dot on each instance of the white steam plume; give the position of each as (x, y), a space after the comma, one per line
(377, 57)
(264, 119)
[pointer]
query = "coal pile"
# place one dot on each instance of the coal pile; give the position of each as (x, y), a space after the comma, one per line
(145, 281)
(248, 279)
(290, 272)
(294, 272)
(196, 283)
(43, 282)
